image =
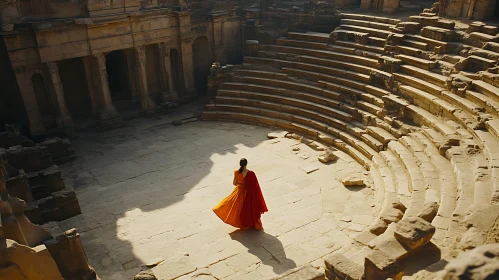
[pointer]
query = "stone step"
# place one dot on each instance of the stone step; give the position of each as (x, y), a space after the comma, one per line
(310, 36)
(448, 191)
(402, 179)
(375, 41)
(290, 101)
(417, 188)
(347, 35)
(262, 74)
(370, 24)
(491, 150)
(325, 54)
(372, 142)
(427, 101)
(291, 110)
(302, 126)
(490, 105)
(443, 46)
(316, 76)
(381, 134)
(358, 46)
(340, 49)
(428, 76)
(423, 117)
(371, 31)
(436, 138)
(437, 33)
(279, 85)
(235, 88)
(338, 87)
(408, 50)
(487, 89)
(371, 108)
(418, 62)
(370, 18)
(418, 83)
(416, 44)
(300, 44)
(429, 171)
(463, 103)
(464, 179)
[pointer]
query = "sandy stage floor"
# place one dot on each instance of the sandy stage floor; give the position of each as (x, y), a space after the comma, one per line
(147, 191)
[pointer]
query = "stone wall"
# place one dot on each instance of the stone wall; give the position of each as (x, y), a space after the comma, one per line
(470, 9)
(145, 32)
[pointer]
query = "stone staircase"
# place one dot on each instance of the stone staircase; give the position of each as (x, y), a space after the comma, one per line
(415, 103)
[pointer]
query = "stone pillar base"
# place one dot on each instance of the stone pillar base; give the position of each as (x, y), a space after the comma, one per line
(169, 96)
(109, 119)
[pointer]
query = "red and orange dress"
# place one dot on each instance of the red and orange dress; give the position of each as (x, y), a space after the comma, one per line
(245, 205)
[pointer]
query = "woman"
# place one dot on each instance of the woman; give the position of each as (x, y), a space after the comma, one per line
(244, 206)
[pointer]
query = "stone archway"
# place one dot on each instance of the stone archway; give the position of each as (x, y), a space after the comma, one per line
(43, 101)
(177, 72)
(202, 58)
(117, 76)
(76, 93)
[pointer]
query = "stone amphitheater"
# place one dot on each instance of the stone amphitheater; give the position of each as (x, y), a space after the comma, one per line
(375, 136)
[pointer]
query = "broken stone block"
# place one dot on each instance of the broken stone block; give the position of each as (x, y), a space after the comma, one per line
(439, 34)
(398, 205)
(414, 232)
(60, 149)
(327, 156)
(145, 275)
(353, 181)
(338, 266)
(391, 215)
(30, 159)
(277, 134)
(306, 272)
(429, 211)
(409, 27)
(379, 227)
(379, 266)
(68, 253)
(389, 64)
(479, 263)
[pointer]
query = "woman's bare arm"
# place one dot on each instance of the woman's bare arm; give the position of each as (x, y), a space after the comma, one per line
(234, 181)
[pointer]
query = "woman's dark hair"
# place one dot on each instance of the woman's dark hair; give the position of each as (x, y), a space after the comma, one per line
(243, 162)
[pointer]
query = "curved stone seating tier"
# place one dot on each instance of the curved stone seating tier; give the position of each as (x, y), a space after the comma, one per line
(373, 89)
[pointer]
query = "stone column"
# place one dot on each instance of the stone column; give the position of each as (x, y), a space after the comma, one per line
(186, 38)
(64, 121)
(218, 37)
(169, 93)
(94, 98)
(29, 99)
(140, 59)
(108, 116)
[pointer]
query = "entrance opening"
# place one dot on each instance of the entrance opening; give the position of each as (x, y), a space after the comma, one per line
(153, 70)
(76, 93)
(117, 75)
(496, 13)
(201, 53)
(43, 101)
(177, 72)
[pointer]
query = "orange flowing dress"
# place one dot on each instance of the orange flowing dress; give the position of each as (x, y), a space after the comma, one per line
(244, 205)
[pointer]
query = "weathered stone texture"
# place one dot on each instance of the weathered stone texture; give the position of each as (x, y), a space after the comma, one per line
(414, 233)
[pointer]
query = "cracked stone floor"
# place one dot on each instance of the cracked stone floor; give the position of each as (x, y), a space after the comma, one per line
(147, 190)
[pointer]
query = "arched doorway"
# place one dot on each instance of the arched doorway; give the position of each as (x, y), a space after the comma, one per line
(76, 93)
(177, 72)
(201, 54)
(117, 76)
(153, 69)
(43, 101)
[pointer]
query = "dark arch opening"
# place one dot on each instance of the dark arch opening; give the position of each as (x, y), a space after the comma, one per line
(43, 101)
(117, 76)
(76, 93)
(177, 72)
(202, 57)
